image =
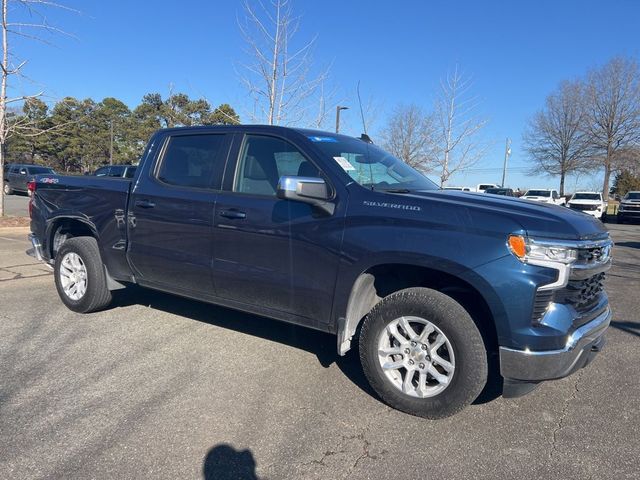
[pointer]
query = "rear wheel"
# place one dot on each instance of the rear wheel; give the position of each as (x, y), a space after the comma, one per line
(423, 354)
(79, 275)
(7, 189)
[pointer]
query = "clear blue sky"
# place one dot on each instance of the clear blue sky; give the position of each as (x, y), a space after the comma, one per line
(517, 52)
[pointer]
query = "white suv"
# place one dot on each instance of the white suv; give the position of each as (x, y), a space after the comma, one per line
(544, 195)
(589, 202)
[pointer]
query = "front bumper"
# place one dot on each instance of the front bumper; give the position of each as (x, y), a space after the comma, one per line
(536, 366)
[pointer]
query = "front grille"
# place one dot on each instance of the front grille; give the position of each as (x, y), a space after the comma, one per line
(631, 208)
(583, 208)
(581, 294)
(588, 256)
(540, 304)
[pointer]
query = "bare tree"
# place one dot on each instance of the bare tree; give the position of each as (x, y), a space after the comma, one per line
(410, 135)
(555, 137)
(459, 125)
(613, 99)
(11, 69)
(279, 76)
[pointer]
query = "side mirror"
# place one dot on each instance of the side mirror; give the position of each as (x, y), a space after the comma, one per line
(309, 190)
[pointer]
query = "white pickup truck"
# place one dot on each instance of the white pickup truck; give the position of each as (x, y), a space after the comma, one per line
(544, 195)
(590, 203)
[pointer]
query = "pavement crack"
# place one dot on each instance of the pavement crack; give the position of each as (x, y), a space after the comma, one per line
(565, 410)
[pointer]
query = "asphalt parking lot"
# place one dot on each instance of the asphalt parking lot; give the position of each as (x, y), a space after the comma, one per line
(161, 387)
(16, 205)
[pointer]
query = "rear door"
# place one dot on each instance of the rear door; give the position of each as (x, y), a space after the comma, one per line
(171, 213)
(272, 254)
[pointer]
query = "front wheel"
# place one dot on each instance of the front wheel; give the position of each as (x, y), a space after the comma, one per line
(7, 189)
(423, 354)
(79, 275)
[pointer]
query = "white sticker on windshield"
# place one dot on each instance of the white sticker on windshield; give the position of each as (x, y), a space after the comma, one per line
(344, 163)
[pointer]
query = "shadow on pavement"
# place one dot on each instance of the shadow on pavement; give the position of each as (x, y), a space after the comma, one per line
(632, 328)
(225, 462)
(628, 244)
(322, 345)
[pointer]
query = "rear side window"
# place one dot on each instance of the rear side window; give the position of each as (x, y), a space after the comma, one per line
(130, 172)
(39, 170)
(101, 172)
(189, 160)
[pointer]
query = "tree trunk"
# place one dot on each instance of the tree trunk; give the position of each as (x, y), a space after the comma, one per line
(562, 175)
(605, 184)
(2, 159)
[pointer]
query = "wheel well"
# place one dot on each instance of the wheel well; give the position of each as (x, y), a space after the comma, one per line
(382, 280)
(66, 228)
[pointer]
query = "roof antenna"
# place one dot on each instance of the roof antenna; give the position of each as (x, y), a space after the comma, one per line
(364, 137)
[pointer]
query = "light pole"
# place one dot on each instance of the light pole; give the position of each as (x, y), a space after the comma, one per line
(338, 108)
(507, 154)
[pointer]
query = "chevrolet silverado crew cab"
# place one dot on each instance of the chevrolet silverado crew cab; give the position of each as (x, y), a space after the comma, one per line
(544, 196)
(629, 208)
(590, 203)
(333, 233)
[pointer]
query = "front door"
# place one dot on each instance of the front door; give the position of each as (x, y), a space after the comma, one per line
(276, 255)
(171, 214)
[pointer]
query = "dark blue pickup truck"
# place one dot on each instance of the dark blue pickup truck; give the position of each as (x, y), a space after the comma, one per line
(333, 233)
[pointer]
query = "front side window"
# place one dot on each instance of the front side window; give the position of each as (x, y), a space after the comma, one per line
(116, 171)
(101, 172)
(263, 160)
(189, 160)
(370, 166)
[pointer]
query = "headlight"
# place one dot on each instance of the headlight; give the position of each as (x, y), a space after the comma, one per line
(528, 250)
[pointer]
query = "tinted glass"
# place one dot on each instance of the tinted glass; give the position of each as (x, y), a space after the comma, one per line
(189, 160)
(586, 196)
(371, 166)
(101, 172)
(632, 196)
(264, 160)
(130, 172)
(116, 171)
(39, 170)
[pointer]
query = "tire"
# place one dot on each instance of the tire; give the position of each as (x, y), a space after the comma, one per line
(467, 368)
(7, 189)
(91, 292)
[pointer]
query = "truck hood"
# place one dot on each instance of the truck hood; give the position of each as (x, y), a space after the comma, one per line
(538, 219)
(585, 202)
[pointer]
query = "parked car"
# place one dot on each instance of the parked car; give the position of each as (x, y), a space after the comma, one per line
(629, 208)
(459, 189)
(507, 192)
(333, 233)
(482, 187)
(544, 196)
(17, 176)
(590, 203)
(123, 171)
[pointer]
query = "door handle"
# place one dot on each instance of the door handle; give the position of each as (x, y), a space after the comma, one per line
(145, 204)
(233, 214)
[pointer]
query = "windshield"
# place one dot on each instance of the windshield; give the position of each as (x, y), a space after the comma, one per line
(370, 166)
(632, 196)
(497, 191)
(586, 196)
(537, 193)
